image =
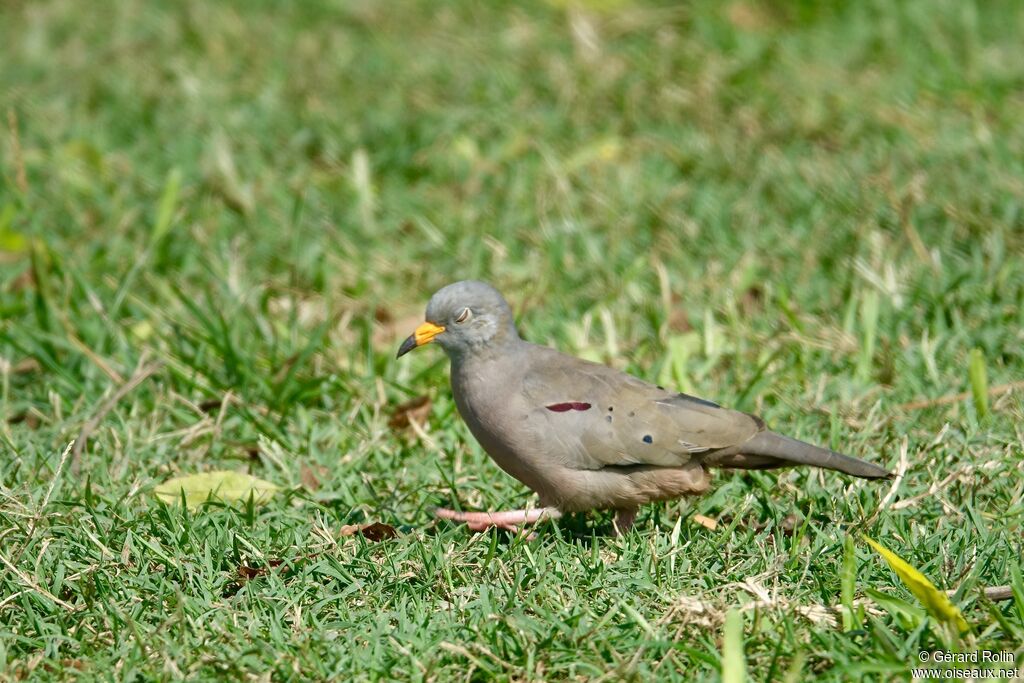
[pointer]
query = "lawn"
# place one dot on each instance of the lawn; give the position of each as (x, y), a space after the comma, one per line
(219, 219)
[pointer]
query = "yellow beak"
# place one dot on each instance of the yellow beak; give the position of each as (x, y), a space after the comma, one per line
(424, 334)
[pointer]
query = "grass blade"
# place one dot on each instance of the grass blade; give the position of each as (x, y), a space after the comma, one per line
(979, 383)
(734, 665)
(165, 211)
(869, 333)
(848, 580)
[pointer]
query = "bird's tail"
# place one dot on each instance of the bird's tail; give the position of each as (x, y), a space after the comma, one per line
(768, 450)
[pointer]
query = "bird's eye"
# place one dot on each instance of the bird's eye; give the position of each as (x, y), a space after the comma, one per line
(464, 316)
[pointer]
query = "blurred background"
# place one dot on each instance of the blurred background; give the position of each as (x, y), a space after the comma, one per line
(219, 219)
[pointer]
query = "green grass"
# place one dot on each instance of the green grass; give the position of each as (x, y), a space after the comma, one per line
(814, 211)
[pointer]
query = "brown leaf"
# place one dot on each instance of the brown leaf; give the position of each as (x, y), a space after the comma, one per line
(26, 280)
(31, 419)
(377, 531)
(25, 366)
(706, 522)
(210, 405)
(678, 320)
(416, 409)
(310, 476)
(752, 299)
(789, 524)
(245, 572)
(382, 315)
(748, 17)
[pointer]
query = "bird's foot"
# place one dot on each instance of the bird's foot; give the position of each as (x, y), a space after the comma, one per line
(510, 520)
(624, 519)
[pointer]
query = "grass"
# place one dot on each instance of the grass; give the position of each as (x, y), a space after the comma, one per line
(217, 221)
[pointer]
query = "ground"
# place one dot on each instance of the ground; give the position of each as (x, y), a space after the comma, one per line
(218, 221)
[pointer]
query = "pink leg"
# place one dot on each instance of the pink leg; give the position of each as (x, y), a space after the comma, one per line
(623, 520)
(509, 520)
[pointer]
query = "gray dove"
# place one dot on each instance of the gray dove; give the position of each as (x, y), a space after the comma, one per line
(584, 436)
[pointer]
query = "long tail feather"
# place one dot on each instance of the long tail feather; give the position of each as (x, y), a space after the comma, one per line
(768, 450)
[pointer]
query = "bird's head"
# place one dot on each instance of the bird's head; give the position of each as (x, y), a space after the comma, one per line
(464, 317)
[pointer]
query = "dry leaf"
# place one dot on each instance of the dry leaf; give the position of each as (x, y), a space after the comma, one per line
(245, 572)
(30, 418)
(310, 476)
(25, 366)
(223, 484)
(705, 522)
(748, 17)
(26, 280)
(377, 531)
(417, 409)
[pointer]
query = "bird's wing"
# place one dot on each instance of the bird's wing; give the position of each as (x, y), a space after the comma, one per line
(604, 417)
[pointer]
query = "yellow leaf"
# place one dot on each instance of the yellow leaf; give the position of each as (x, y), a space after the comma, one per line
(221, 484)
(934, 600)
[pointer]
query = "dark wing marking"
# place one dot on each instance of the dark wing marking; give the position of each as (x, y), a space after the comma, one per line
(571, 405)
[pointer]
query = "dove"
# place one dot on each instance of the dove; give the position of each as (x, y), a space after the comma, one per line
(584, 436)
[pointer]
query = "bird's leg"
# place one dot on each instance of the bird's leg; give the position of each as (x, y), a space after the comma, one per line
(624, 518)
(509, 520)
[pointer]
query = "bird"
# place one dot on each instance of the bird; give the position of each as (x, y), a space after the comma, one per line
(584, 436)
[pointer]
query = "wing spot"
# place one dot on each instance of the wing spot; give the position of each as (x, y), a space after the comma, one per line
(648, 439)
(571, 405)
(608, 418)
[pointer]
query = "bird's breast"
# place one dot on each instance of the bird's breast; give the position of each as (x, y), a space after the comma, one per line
(500, 420)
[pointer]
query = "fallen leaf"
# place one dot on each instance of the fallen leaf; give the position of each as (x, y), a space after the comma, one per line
(705, 522)
(222, 484)
(935, 601)
(789, 524)
(245, 572)
(310, 476)
(748, 17)
(25, 366)
(26, 280)
(210, 405)
(416, 409)
(752, 299)
(678, 318)
(377, 531)
(142, 330)
(31, 419)
(12, 244)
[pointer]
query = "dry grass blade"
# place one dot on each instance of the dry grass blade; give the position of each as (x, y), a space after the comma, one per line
(948, 399)
(137, 378)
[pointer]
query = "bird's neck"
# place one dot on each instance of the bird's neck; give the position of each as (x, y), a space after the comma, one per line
(502, 345)
(502, 342)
